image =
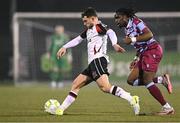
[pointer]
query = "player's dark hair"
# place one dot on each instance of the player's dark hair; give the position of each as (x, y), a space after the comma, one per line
(89, 12)
(126, 11)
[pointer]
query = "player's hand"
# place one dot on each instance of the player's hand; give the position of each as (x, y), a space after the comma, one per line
(127, 40)
(118, 48)
(133, 64)
(61, 52)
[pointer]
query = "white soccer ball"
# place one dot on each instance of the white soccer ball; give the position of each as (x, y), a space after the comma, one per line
(51, 105)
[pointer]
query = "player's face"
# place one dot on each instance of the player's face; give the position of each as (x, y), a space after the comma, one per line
(121, 20)
(88, 21)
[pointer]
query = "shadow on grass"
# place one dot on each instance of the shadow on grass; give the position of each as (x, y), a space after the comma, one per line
(106, 114)
(23, 115)
(43, 114)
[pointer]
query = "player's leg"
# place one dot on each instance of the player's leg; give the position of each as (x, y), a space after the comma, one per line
(136, 74)
(153, 89)
(151, 59)
(53, 79)
(135, 77)
(156, 93)
(100, 74)
(77, 84)
(81, 80)
(105, 86)
(150, 62)
(165, 81)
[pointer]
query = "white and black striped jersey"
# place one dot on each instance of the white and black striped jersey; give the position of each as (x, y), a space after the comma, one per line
(96, 41)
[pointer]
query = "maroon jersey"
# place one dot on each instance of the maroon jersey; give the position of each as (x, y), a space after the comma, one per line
(135, 28)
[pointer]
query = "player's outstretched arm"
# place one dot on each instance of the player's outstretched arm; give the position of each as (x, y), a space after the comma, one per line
(74, 42)
(61, 52)
(118, 48)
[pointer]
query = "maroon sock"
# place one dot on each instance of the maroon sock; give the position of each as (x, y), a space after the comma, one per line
(156, 93)
(155, 80)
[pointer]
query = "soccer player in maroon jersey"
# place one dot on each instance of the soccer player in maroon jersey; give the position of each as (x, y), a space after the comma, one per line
(148, 56)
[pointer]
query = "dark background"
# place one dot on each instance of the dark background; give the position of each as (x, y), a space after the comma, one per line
(8, 7)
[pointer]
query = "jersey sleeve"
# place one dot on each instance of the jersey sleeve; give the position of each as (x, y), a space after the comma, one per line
(74, 42)
(140, 25)
(101, 28)
(112, 36)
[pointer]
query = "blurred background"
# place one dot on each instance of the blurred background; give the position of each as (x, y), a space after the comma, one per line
(29, 30)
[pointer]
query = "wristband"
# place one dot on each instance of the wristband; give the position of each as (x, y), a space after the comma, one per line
(133, 39)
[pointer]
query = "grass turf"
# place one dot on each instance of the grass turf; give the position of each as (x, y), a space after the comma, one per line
(25, 104)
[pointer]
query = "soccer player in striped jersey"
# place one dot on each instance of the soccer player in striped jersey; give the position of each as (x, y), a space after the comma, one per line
(148, 56)
(96, 35)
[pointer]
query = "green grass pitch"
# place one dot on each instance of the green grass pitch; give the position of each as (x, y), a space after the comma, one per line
(25, 104)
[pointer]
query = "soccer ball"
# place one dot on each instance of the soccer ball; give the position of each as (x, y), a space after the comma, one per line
(51, 105)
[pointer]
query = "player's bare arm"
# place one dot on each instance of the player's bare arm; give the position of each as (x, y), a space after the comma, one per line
(144, 37)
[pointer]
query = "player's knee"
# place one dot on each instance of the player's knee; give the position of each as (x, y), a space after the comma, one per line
(130, 82)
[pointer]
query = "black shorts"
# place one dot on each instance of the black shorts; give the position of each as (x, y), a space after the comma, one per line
(96, 68)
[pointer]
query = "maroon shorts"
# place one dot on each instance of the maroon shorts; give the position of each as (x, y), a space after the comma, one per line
(150, 58)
